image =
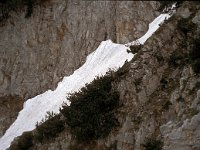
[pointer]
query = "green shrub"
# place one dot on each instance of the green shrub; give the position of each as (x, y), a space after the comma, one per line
(163, 83)
(166, 105)
(153, 144)
(164, 4)
(195, 55)
(186, 25)
(177, 59)
(195, 49)
(24, 142)
(90, 115)
(196, 66)
(49, 128)
(135, 48)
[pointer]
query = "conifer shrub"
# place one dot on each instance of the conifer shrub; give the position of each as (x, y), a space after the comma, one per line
(91, 113)
(186, 25)
(166, 105)
(49, 127)
(164, 4)
(90, 116)
(178, 59)
(196, 66)
(24, 142)
(135, 48)
(195, 55)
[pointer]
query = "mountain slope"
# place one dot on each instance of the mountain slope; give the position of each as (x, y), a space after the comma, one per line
(37, 52)
(159, 91)
(107, 56)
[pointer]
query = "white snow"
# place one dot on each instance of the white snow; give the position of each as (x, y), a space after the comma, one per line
(153, 26)
(107, 56)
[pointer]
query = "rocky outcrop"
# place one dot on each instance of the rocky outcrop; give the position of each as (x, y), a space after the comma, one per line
(36, 53)
(160, 94)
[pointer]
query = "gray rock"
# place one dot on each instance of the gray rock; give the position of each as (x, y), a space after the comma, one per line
(196, 19)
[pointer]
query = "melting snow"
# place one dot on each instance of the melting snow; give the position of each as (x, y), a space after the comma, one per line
(107, 56)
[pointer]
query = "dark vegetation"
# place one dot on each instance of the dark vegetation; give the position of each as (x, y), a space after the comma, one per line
(191, 43)
(49, 127)
(195, 55)
(164, 4)
(166, 105)
(90, 116)
(7, 6)
(178, 59)
(24, 142)
(153, 144)
(135, 48)
(186, 25)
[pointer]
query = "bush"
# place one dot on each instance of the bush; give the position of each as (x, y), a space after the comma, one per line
(24, 142)
(90, 115)
(195, 55)
(196, 66)
(185, 25)
(134, 48)
(164, 4)
(166, 105)
(153, 144)
(178, 58)
(49, 128)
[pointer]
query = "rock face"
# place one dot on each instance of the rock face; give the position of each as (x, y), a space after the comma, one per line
(160, 94)
(10, 105)
(38, 52)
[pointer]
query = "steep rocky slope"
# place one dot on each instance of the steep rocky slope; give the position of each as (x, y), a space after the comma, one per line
(35, 53)
(159, 90)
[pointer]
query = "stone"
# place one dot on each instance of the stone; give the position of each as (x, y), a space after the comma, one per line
(196, 19)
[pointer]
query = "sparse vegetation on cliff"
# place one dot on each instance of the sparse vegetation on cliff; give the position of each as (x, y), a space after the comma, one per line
(195, 55)
(49, 128)
(90, 115)
(185, 25)
(164, 4)
(24, 142)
